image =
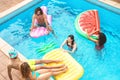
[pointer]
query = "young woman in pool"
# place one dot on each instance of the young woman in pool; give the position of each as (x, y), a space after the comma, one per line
(100, 41)
(28, 74)
(70, 42)
(40, 19)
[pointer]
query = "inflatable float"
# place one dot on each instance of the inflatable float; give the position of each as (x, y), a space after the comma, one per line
(41, 31)
(88, 21)
(75, 70)
(46, 48)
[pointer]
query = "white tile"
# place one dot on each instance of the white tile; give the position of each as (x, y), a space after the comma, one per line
(2, 43)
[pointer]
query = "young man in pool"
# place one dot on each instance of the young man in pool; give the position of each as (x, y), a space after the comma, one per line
(15, 63)
(40, 19)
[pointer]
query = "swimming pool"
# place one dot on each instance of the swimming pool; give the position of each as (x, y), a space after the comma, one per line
(103, 65)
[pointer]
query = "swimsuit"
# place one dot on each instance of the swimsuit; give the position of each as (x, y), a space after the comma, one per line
(37, 74)
(38, 24)
(31, 64)
(99, 47)
(71, 46)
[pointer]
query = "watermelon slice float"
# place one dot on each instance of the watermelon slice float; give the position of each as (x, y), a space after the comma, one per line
(88, 21)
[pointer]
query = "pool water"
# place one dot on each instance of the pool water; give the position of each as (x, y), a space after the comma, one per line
(98, 65)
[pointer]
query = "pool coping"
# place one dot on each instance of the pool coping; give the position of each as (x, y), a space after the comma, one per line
(16, 10)
(17, 6)
(4, 61)
(112, 3)
(5, 48)
(104, 5)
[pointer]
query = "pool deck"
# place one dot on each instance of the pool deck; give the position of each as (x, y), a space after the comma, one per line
(111, 5)
(4, 59)
(3, 68)
(114, 3)
(8, 6)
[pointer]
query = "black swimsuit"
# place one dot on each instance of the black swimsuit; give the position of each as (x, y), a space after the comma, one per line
(99, 47)
(71, 46)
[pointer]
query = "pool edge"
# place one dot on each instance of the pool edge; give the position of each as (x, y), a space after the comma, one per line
(105, 6)
(17, 11)
(5, 47)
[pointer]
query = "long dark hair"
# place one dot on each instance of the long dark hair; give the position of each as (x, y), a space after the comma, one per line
(102, 39)
(25, 70)
(38, 9)
(72, 37)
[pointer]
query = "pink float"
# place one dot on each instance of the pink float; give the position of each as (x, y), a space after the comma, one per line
(41, 31)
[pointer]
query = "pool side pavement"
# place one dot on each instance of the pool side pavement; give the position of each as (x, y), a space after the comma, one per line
(16, 9)
(13, 8)
(113, 3)
(4, 60)
(5, 4)
(3, 68)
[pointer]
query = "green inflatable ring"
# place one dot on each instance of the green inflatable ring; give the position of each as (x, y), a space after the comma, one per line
(46, 48)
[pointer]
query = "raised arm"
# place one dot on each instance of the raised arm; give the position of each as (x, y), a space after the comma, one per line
(95, 32)
(45, 19)
(63, 44)
(74, 48)
(33, 19)
(94, 40)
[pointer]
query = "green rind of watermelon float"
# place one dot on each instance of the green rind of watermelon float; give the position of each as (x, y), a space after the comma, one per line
(88, 20)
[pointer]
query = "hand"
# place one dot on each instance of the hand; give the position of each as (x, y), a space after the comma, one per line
(88, 36)
(65, 51)
(56, 61)
(32, 28)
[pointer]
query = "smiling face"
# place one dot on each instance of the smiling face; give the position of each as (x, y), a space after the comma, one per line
(69, 39)
(38, 11)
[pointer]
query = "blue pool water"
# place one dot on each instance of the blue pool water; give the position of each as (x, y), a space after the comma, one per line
(98, 65)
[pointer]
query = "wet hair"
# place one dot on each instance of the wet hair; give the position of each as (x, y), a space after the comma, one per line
(38, 9)
(25, 70)
(102, 39)
(72, 37)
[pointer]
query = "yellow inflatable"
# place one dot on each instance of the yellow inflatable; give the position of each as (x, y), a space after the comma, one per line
(75, 70)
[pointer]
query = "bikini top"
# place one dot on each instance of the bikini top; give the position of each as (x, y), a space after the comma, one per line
(71, 46)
